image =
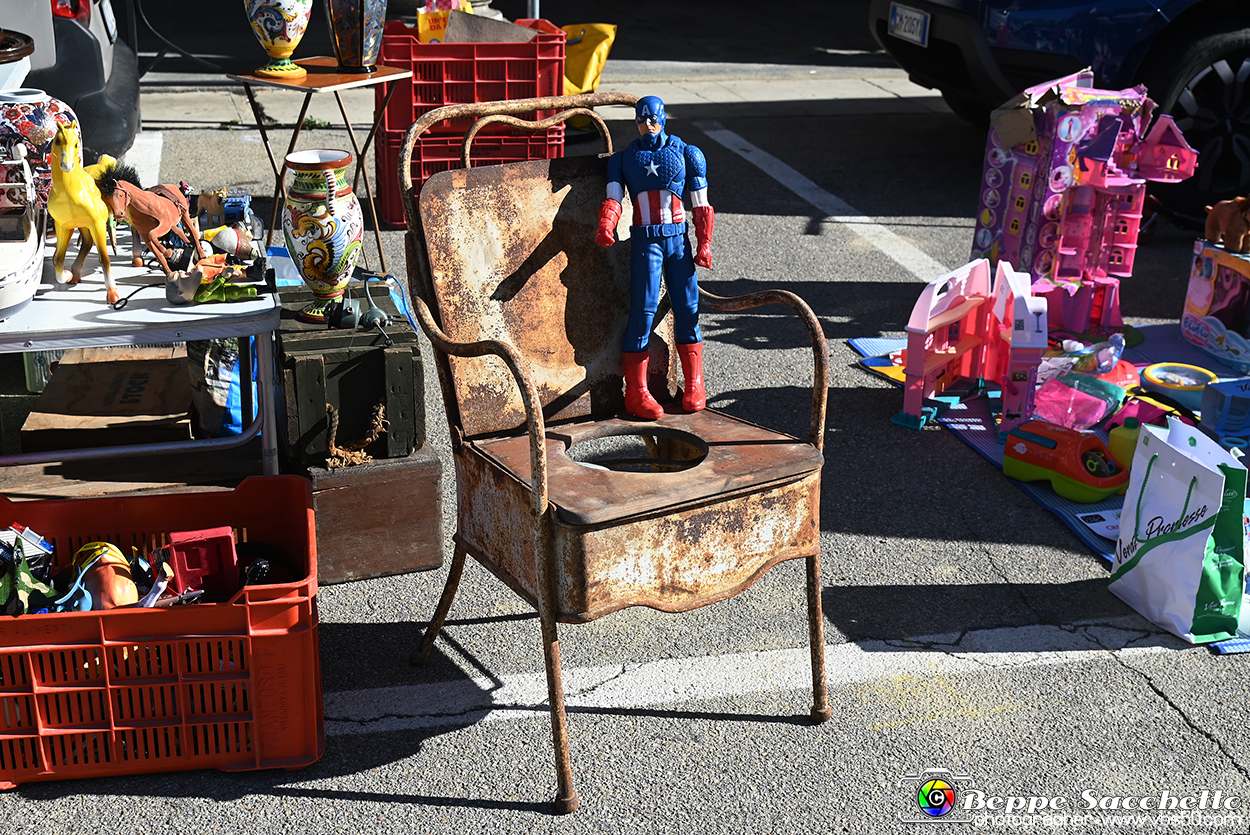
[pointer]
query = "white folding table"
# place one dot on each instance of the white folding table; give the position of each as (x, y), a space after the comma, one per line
(63, 317)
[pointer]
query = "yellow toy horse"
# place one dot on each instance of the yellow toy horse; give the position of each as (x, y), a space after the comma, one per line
(74, 202)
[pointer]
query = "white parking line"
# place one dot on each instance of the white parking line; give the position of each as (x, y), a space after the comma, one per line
(145, 156)
(479, 698)
(835, 208)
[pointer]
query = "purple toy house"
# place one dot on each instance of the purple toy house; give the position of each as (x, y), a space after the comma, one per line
(1063, 189)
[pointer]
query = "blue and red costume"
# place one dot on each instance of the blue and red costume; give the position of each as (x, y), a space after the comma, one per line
(660, 170)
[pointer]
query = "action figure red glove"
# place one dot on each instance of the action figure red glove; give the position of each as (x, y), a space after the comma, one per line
(703, 221)
(609, 216)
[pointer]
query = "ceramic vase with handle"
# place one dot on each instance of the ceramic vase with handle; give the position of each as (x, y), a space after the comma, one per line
(356, 27)
(30, 117)
(279, 25)
(323, 226)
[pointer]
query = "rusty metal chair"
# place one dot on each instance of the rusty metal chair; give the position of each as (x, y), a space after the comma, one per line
(525, 313)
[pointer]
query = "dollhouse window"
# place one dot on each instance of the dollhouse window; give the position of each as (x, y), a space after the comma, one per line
(952, 333)
(1030, 147)
(1121, 226)
(1014, 226)
(1026, 179)
(1116, 258)
(1173, 163)
(1021, 202)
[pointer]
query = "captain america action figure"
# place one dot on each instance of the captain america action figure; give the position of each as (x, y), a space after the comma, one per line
(658, 169)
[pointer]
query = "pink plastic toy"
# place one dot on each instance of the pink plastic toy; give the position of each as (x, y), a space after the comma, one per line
(1063, 188)
(1020, 328)
(946, 340)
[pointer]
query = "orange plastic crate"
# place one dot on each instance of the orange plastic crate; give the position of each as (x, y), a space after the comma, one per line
(234, 686)
(433, 154)
(466, 73)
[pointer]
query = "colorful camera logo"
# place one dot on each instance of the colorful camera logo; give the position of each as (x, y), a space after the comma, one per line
(936, 797)
(936, 792)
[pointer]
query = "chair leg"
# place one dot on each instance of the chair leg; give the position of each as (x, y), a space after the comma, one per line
(422, 652)
(816, 642)
(566, 800)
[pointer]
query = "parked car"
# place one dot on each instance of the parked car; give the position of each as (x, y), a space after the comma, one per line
(1192, 55)
(95, 72)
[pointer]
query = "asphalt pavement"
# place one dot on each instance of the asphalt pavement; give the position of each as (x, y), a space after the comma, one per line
(967, 629)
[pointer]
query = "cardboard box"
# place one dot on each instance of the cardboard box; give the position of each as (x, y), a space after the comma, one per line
(108, 396)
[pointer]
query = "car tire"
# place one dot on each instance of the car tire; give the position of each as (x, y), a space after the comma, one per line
(1195, 80)
(971, 110)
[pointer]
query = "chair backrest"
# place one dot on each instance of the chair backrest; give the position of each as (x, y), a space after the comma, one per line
(512, 257)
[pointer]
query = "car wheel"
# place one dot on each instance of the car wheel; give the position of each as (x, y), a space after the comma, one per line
(1205, 86)
(967, 108)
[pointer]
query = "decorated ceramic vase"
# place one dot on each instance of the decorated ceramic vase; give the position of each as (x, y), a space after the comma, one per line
(30, 117)
(279, 25)
(356, 27)
(323, 225)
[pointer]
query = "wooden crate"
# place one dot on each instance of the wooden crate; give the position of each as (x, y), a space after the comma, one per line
(379, 518)
(353, 371)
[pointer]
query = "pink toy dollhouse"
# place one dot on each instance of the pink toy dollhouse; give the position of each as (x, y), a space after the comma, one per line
(1019, 336)
(946, 341)
(1064, 187)
(962, 333)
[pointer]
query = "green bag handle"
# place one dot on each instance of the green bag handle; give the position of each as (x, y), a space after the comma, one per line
(1193, 482)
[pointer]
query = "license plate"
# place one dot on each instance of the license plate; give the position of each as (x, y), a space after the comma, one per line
(110, 22)
(908, 24)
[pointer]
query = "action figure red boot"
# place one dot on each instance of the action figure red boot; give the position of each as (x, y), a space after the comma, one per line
(693, 397)
(638, 399)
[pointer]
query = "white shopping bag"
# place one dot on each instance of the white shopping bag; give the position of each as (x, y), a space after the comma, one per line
(1180, 559)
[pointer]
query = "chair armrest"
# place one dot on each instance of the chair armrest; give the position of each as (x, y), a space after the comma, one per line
(529, 394)
(820, 348)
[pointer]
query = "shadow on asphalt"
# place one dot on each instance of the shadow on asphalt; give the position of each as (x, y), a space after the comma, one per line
(905, 612)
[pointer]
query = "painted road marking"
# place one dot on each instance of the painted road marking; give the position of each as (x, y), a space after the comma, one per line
(480, 698)
(835, 208)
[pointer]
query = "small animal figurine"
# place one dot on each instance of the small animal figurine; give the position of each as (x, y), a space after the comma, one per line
(150, 212)
(1229, 220)
(74, 202)
(212, 204)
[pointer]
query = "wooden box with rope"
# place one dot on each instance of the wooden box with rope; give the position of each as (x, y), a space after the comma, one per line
(352, 411)
(349, 395)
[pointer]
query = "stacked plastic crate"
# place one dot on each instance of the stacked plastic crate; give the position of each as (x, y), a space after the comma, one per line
(463, 73)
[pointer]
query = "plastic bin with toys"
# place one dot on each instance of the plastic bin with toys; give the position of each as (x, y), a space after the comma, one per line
(231, 681)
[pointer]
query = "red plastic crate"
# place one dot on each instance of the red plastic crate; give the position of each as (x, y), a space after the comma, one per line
(466, 73)
(234, 686)
(433, 154)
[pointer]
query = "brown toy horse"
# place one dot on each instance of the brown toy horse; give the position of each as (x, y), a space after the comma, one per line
(1229, 221)
(150, 212)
